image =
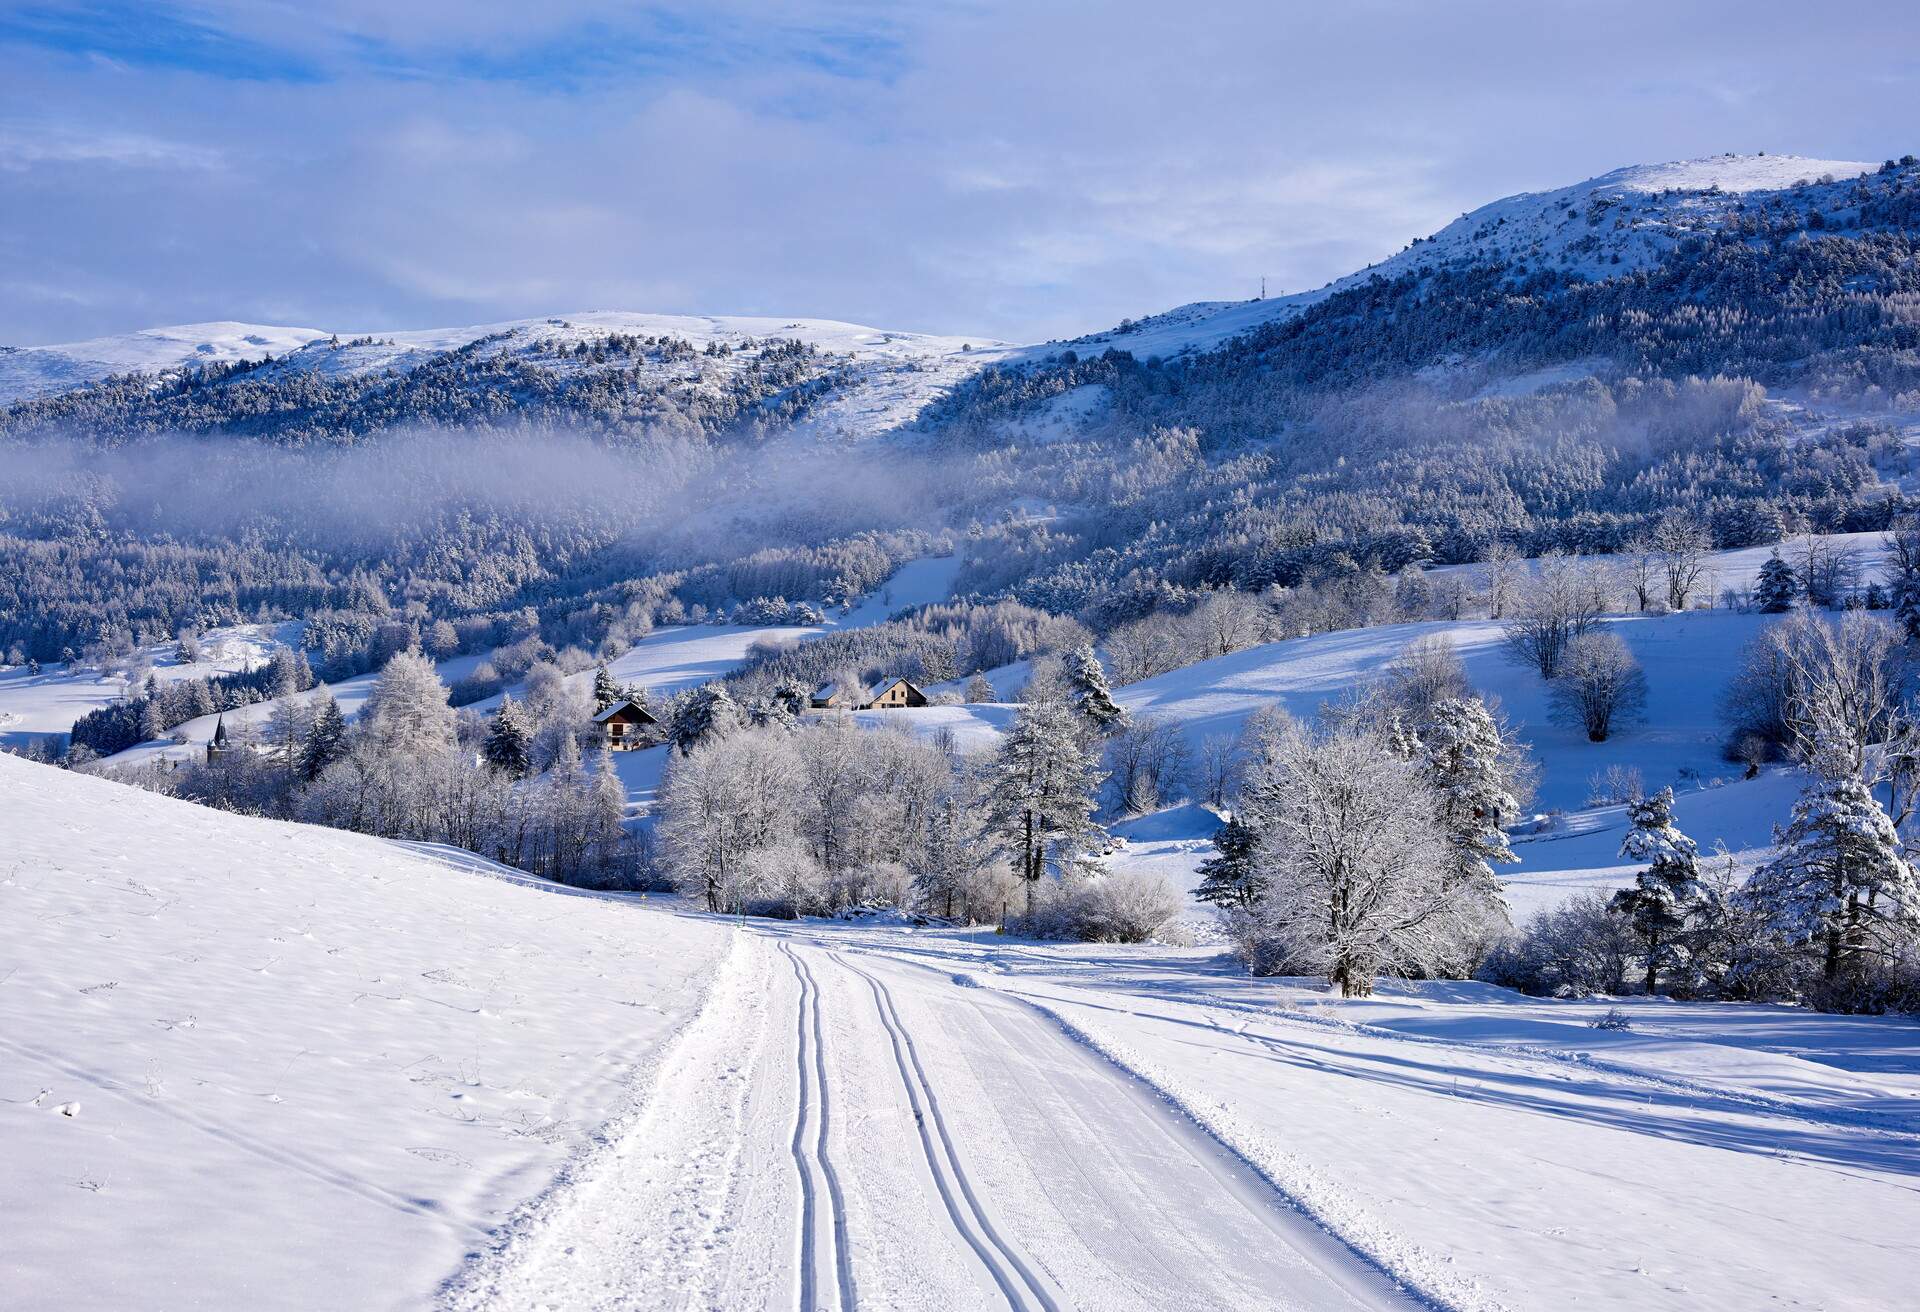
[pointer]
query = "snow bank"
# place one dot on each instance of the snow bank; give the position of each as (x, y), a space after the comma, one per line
(299, 1067)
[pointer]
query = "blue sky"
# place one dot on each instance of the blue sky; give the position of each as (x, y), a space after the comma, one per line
(1017, 170)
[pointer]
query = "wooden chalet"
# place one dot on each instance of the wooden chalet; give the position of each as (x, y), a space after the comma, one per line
(889, 694)
(627, 726)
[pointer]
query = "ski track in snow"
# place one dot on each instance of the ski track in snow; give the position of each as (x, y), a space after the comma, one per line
(956, 1149)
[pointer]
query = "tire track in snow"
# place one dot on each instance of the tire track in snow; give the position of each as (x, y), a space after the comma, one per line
(948, 1176)
(812, 1062)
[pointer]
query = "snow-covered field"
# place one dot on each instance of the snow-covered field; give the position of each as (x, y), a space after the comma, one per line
(253, 1064)
(36, 705)
(246, 1063)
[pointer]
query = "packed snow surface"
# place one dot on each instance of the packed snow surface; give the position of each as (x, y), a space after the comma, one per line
(246, 1063)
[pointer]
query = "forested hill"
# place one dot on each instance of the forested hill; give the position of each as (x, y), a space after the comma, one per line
(665, 378)
(1812, 286)
(1733, 342)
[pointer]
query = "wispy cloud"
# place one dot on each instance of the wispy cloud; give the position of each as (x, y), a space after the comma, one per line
(1013, 168)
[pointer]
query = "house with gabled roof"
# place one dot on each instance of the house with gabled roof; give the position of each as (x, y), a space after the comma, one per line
(627, 725)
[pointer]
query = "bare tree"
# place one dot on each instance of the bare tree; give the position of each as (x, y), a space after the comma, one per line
(1148, 760)
(1640, 567)
(1558, 602)
(1504, 571)
(1219, 767)
(1425, 673)
(1600, 685)
(1682, 543)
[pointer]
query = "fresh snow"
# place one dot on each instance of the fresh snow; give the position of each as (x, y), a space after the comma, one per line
(245, 1063)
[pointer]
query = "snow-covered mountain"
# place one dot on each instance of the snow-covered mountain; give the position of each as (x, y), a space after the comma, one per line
(1615, 223)
(881, 378)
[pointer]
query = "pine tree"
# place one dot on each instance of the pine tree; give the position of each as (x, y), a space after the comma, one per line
(1668, 894)
(509, 746)
(706, 712)
(1092, 698)
(1776, 587)
(326, 737)
(1230, 877)
(1840, 881)
(605, 691)
(1474, 774)
(1041, 791)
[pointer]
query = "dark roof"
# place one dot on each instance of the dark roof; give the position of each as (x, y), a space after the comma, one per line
(625, 704)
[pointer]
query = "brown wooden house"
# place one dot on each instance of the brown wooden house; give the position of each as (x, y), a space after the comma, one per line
(627, 726)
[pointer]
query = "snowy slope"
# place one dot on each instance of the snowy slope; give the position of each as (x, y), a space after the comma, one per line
(253, 1064)
(1615, 223)
(27, 372)
(892, 375)
(37, 705)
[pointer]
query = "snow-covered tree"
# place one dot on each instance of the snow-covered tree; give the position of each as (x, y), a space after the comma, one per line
(1425, 673)
(725, 798)
(605, 691)
(980, 691)
(1903, 578)
(509, 745)
(1668, 894)
(1040, 792)
(1840, 881)
(1599, 685)
(326, 737)
(709, 711)
(1092, 698)
(1476, 775)
(407, 712)
(1775, 589)
(1230, 877)
(1352, 860)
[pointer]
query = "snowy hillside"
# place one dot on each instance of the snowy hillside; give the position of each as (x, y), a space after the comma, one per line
(32, 371)
(882, 380)
(1615, 223)
(246, 1061)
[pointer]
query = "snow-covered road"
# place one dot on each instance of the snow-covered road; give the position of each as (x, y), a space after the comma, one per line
(842, 1127)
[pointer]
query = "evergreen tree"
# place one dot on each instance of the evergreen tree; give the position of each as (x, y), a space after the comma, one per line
(1774, 591)
(407, 712)
(1041, 790)
(1905, 599)
(605, 691)
(1474, 772)
(1230, 877)
(326, 737)
(709, 711)
(509, 745)
(1092, 698)
(1668, 894)
(1840, 881)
